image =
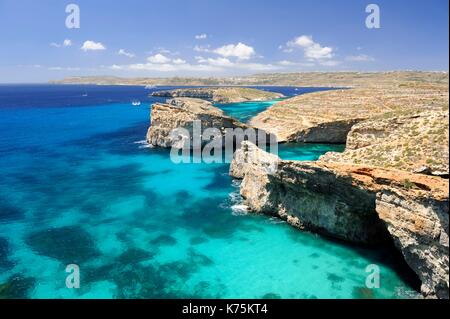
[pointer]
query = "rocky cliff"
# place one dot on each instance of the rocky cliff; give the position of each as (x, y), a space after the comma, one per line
(328, 116)
(357, 203)
(182, 113)
(414, 142)
(221, 94)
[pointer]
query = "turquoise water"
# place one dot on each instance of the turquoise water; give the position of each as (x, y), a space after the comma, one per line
(78, 185)
(246, 110)
(306, 152)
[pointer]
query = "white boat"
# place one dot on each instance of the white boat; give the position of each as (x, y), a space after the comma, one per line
(148, 87)
(136, 103)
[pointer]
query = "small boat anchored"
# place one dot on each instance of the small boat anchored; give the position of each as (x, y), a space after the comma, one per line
(136, 103)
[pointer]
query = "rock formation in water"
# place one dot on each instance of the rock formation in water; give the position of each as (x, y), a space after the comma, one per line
(356, 203)
(168, 118)
(221, 94)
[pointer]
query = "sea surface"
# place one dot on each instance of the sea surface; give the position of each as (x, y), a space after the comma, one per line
(78, 185)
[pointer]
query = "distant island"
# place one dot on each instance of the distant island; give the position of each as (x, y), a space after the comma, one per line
(304, 79)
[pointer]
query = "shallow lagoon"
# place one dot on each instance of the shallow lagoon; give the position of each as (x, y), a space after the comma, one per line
(79, 186)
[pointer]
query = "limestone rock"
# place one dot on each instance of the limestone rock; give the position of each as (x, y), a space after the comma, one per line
(415, 143)
(357, 203)
(328, 116)
(172, 124)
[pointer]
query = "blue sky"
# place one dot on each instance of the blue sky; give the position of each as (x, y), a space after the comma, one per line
(218, 37)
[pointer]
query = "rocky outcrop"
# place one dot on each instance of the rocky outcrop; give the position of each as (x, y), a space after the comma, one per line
(221, 94)
(328, 116)
(356, 203)
(173, 124)
(415, 143)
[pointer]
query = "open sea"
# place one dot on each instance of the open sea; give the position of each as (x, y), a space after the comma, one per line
(78, 185)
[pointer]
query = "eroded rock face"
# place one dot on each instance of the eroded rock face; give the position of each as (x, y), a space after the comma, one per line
(356, 203)
(416, 143)
(221, 94)
(169, 121)
(419, 226)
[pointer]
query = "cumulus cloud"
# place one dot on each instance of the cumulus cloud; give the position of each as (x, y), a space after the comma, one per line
(162, 63)
(360, 58)
(240, 51)
(92, 46)
(125, 53)
(202, 36)
(312, 49)
(158, 59)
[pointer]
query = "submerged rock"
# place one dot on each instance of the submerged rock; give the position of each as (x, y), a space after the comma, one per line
(5, 263)
(356, 203)
(70, 244)
(221, 94)
(17, 287)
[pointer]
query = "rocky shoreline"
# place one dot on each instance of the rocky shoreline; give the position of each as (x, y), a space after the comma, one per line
(173, 125)
(389, 185)
(355, 203)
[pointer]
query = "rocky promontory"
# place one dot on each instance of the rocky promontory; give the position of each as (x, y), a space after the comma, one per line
(182, 113)
(327, 117)
(221, 94)
(357, 203)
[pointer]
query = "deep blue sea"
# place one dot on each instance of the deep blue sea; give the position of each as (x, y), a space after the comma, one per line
(79, 186)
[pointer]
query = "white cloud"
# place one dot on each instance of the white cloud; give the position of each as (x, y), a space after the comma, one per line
(65, 43)
(222, 62)
(200, 59)
(60, 68)
(178, 61)
(360, 58)
(240, 51)
(92, 46)
(166, 67)
(202, 36)
(200, 48)
(158, 59)
(312, 50)
(125, 53)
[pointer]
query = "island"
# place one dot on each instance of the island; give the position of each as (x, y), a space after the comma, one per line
(221, 95)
